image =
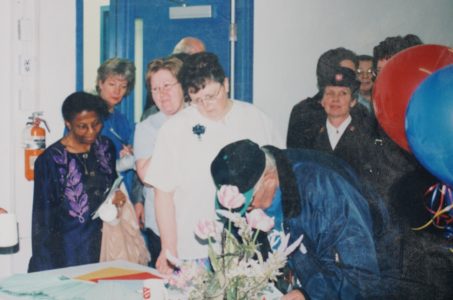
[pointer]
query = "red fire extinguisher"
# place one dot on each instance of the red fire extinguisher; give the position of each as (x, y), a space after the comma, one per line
(34, 142)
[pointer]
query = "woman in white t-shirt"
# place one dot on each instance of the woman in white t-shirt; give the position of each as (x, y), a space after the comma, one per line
(185, 147)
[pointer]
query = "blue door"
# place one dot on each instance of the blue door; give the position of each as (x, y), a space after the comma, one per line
(160, 34)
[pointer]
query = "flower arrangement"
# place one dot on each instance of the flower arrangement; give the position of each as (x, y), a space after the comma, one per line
(238, 269)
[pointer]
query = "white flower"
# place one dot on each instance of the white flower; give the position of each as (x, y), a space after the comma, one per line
(206, 229)
(284, 248)
(236, 261)
(230, 197)
(258, 219)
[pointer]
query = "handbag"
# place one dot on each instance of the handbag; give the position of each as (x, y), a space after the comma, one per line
(123, 240)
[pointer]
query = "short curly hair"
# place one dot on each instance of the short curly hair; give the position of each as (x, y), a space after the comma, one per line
(199, 68)
(330, 60)
(82, 101)
(392, 45)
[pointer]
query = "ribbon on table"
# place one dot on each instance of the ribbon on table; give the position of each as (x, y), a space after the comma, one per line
(440, 206)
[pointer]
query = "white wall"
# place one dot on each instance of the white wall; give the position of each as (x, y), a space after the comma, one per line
(289, 37)
(51, 47)
(5, 120)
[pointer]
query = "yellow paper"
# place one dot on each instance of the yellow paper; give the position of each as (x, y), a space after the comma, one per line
(107, 272)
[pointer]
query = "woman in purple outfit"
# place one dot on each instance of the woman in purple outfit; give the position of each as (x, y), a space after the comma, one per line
(72, 178)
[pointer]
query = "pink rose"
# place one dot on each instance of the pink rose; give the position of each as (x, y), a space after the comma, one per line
(230, 197)
(259, 220)
(205, 229)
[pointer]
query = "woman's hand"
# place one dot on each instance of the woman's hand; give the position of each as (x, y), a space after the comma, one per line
(166, 221)
(3, 211)
(127, 150)
(163, 265)
(140, 213)
(119, 199)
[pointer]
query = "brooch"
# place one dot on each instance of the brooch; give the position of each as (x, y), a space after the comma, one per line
(198, 130)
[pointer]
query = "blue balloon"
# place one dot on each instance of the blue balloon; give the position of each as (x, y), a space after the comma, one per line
(429, 124)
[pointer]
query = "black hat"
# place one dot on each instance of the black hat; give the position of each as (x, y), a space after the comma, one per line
(240, 163)
(342, 77)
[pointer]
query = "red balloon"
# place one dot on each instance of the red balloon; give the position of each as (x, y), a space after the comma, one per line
(397, 81)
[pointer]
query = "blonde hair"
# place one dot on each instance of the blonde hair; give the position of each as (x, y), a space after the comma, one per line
(171, 64)
(116, 67)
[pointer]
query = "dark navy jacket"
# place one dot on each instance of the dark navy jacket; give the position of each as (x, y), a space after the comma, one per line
(324, 201)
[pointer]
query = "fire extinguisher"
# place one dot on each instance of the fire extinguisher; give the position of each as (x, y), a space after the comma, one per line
(34, 142)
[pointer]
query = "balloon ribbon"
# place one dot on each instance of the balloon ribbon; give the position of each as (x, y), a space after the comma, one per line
(440, 206)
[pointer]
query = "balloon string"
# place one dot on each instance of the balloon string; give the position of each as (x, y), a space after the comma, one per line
(439, 208)
(446, 209)
(434, 190)
(443, 197)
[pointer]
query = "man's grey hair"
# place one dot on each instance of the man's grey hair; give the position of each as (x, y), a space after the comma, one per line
(271, 165)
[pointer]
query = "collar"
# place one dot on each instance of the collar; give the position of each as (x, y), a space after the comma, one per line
(335, 133)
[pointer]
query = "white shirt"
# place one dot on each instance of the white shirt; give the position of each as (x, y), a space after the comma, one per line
(182, 159)
(335, 133)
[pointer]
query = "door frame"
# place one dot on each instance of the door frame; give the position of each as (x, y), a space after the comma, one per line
(121, 44)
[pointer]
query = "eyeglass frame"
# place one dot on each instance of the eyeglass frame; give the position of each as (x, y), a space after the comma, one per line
(208, 98)
(165, 88)
(370, 72)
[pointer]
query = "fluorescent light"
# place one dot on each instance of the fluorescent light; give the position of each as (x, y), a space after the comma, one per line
(190, 12)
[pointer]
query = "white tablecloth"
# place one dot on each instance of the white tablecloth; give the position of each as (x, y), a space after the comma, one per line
(84, 269)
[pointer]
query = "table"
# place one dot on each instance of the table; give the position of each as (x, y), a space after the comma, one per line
(84, 269)
(76, 271)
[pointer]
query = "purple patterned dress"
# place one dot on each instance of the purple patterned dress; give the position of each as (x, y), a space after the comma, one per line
(68, 189)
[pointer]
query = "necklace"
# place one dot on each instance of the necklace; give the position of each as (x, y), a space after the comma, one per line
(82, 158)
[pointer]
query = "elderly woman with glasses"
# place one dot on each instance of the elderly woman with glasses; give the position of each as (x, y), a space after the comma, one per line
(186, 145)
(167, 93)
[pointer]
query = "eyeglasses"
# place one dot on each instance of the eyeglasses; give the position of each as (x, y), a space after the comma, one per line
(208, 98)
(165, 88)
(361, 72)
